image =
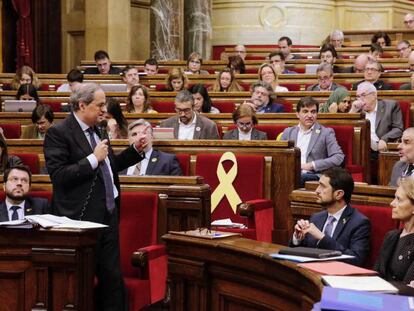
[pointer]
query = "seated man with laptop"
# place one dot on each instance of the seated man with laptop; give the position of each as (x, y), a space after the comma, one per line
(339, 226)
(155, 162)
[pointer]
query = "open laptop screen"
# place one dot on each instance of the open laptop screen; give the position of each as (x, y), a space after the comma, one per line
(14, 105)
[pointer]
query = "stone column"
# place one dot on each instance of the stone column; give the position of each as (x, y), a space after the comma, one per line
(197, 25)
(167, 35)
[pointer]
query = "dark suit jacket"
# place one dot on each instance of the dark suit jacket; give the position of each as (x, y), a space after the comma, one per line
(95, 71)
(379, 85)
(405, 86)
(274, 108)
(397, 171)
(204, 127)
(389, 122)
(32, 206)
(234, 135)
(162, 163)
(315, 87)
(74, 181)
(323, 147)
(351, 235)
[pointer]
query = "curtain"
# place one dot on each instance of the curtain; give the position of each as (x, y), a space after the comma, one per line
(24, 33)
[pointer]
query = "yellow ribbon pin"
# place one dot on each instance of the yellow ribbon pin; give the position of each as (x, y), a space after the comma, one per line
(225, 187)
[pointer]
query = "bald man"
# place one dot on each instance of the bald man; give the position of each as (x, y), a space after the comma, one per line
(359, 64)
(409, 21)
(404, 167)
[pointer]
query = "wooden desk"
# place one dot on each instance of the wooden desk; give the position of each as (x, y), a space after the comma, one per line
(235, 274)
(386, 161)
(47, 269)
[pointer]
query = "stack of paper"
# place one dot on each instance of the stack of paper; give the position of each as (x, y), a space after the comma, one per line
(336, 268)
(364, 283)
(227, 223)
(307, 259)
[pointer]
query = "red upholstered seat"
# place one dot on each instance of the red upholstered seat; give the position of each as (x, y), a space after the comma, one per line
(184, 160)
(31, 160)
(248, 184)
(138, 231)
(381, 223)
(344, 135)
(291, 86)
(224, 106)
(11, 130)
(405, 110)
(56, 106)
(272, 130)
(166, 106)
(396, 85)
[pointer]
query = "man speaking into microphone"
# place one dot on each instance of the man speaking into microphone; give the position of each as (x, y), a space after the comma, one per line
(84, 174)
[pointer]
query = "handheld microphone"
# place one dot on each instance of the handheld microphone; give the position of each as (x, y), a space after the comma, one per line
(102, 129)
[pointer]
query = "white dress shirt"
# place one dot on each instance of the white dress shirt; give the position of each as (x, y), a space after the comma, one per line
(20, 211)
(303, 143)
(144, 164)
(186, 131)
(372, 117)
(245, 136)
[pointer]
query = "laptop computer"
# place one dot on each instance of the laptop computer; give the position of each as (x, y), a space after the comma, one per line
(14, 105)
(163, 133)
(311, 68)
(114, 87)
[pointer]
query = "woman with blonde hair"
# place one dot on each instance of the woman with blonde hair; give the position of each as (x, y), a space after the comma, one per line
(396, 258)
(176, 80)
(268, 74)
(226, 82)
(25, 75)
(138, 100)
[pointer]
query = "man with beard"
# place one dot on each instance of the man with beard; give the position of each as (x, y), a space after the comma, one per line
(17, 181)
(187, 123)
(339, 226)
(404, 167)
(263, 99)
(318, 146)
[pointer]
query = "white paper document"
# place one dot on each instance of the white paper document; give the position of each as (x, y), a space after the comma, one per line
(365, 283)
(307, 259)
(51, 221)
(227, 223)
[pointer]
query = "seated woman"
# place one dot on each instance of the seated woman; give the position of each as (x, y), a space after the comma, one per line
(176, 80)
(338, 101)
(202, 101)
(138, 100)
(396, 258)
(245, 119)
(117, 127)
(194, 63)
(226, 82)
(42, 119)
(268, 74)
(25, 75)
(28, 92)
(381, 38)
(6, 160)
(237, 64)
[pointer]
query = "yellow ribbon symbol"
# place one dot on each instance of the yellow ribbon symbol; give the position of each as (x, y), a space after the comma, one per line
(225, 187)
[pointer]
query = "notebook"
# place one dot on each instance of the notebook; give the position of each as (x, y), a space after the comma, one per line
(14, 105)
(310, 252)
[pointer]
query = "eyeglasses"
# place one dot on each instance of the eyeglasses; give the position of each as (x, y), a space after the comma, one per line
(197, 62)
(185, 110)
(16, 180)
(244, 124)
(257, 92)
(325, 78)
(363, 95)
(410, 21)
(371, 69)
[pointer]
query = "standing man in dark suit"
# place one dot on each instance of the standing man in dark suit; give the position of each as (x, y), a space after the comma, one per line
(384, 115)
(187, 123)
(318, 146)
(103, 65)
(17, 180)
(84, 174)
(404, 167)
(155, 162)
(340, 226)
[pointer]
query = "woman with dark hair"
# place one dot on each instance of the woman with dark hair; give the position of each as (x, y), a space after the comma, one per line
(202, 101)
(381, 38)
(27, 92)
(117, 124)
(237, 64)
(245, 119)
(6, 161)
(42, 119)
(138, 100)
(226, 82)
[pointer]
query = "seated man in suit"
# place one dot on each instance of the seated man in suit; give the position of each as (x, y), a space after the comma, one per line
(187, 123)
(325, 79)
(17, 180)
(384, 115)
(285, 45)
(318, 145)
(155, 162)
(74, 78)
(372, 73)
(103, 65)
(404, 167)
(151, 66)
(340, 226)
(263, 99)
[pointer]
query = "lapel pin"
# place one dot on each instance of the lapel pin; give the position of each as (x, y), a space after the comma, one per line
(318, 131)
(344, 221)
(198, 129)
(154, 160)
(28, 210)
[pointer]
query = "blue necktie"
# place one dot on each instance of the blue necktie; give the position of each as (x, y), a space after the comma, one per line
(15, 215)
(329, 226)
(109, 187)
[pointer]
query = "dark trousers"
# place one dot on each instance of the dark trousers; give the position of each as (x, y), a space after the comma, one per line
(304, 177)
(111, 292)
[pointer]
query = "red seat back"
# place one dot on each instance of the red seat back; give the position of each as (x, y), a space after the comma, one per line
(31, 160)
(344, 136)
(11, 130)
(272, 130)
(163, 106)
(405, 110)
(184, 160)
(248, 183)
(224, 106)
